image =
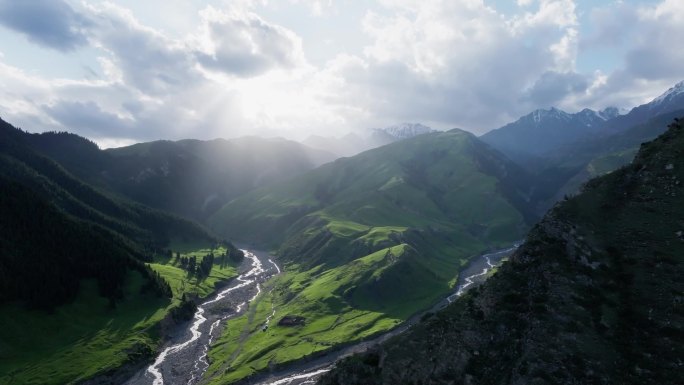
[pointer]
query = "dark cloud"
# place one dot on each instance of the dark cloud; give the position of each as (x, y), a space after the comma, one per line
(88, 117)
(148, 60)
(552, 87)
(654, 62)
(51, 23)
(612, 26)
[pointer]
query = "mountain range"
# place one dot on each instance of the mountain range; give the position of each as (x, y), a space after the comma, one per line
(542, 131)
(191, 178)
(593, 295)
(376, 237)
(352, 143)
(540, 134)
(94, 242)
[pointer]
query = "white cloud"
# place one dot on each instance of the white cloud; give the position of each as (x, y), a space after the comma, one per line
(450, 62)
(241, 43)
(155, 86)
(446, 63)
(650, 35)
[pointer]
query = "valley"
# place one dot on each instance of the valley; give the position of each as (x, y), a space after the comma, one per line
(300, 192)
(184, 358)
(88, 338)
(375, 246)
(309, 370)
(361, 251)
(592, 295)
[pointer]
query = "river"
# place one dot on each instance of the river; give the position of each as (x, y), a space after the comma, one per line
(183, 360)
(309, 372)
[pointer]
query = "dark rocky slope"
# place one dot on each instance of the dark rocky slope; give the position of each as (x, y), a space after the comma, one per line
(594, 296)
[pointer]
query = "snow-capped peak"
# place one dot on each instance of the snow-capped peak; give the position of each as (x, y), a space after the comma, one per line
(553, 113)
(611, 112)
(669, 94)
(406, 130)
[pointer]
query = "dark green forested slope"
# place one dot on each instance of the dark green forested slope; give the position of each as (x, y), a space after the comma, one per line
(146, 227)
(594, 296)
(191, 178)
(45, 253)
(58, 230)
(79, 295)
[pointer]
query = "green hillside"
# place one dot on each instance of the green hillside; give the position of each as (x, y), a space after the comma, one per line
(439, 180)
(85, 279)
(191, 178)
(366, 242)
(594, 296)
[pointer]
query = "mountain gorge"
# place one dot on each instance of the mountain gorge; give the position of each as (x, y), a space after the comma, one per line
(594, 295)
(96, 243)
(368, 241)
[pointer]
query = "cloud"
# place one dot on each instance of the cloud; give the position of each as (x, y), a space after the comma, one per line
(88, 117)
(50, 23)
(145, 58)
(553, 87)
(445, 63)
(655, 55)
(456, 63)
(241, 43)
(649, 35)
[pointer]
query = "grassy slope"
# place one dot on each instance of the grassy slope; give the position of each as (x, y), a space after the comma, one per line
(367, 242)
(432, 180)
(593, 296)
(80, 339)
(87, 337)
(333, 315)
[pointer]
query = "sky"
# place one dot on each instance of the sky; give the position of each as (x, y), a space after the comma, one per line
(126, 71)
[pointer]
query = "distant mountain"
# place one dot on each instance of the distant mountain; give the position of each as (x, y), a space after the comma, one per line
(563, 150)
(593, 296)
(192, 178)
(347, 145)
(368, 240)
(540, 134)
(352, 144)
(351, 181)
(542, 131)
(670, 101)
(572, 165)
(405, 130)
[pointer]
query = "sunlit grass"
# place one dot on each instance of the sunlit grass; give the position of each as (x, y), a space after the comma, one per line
(88, 337)
(338, 307)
